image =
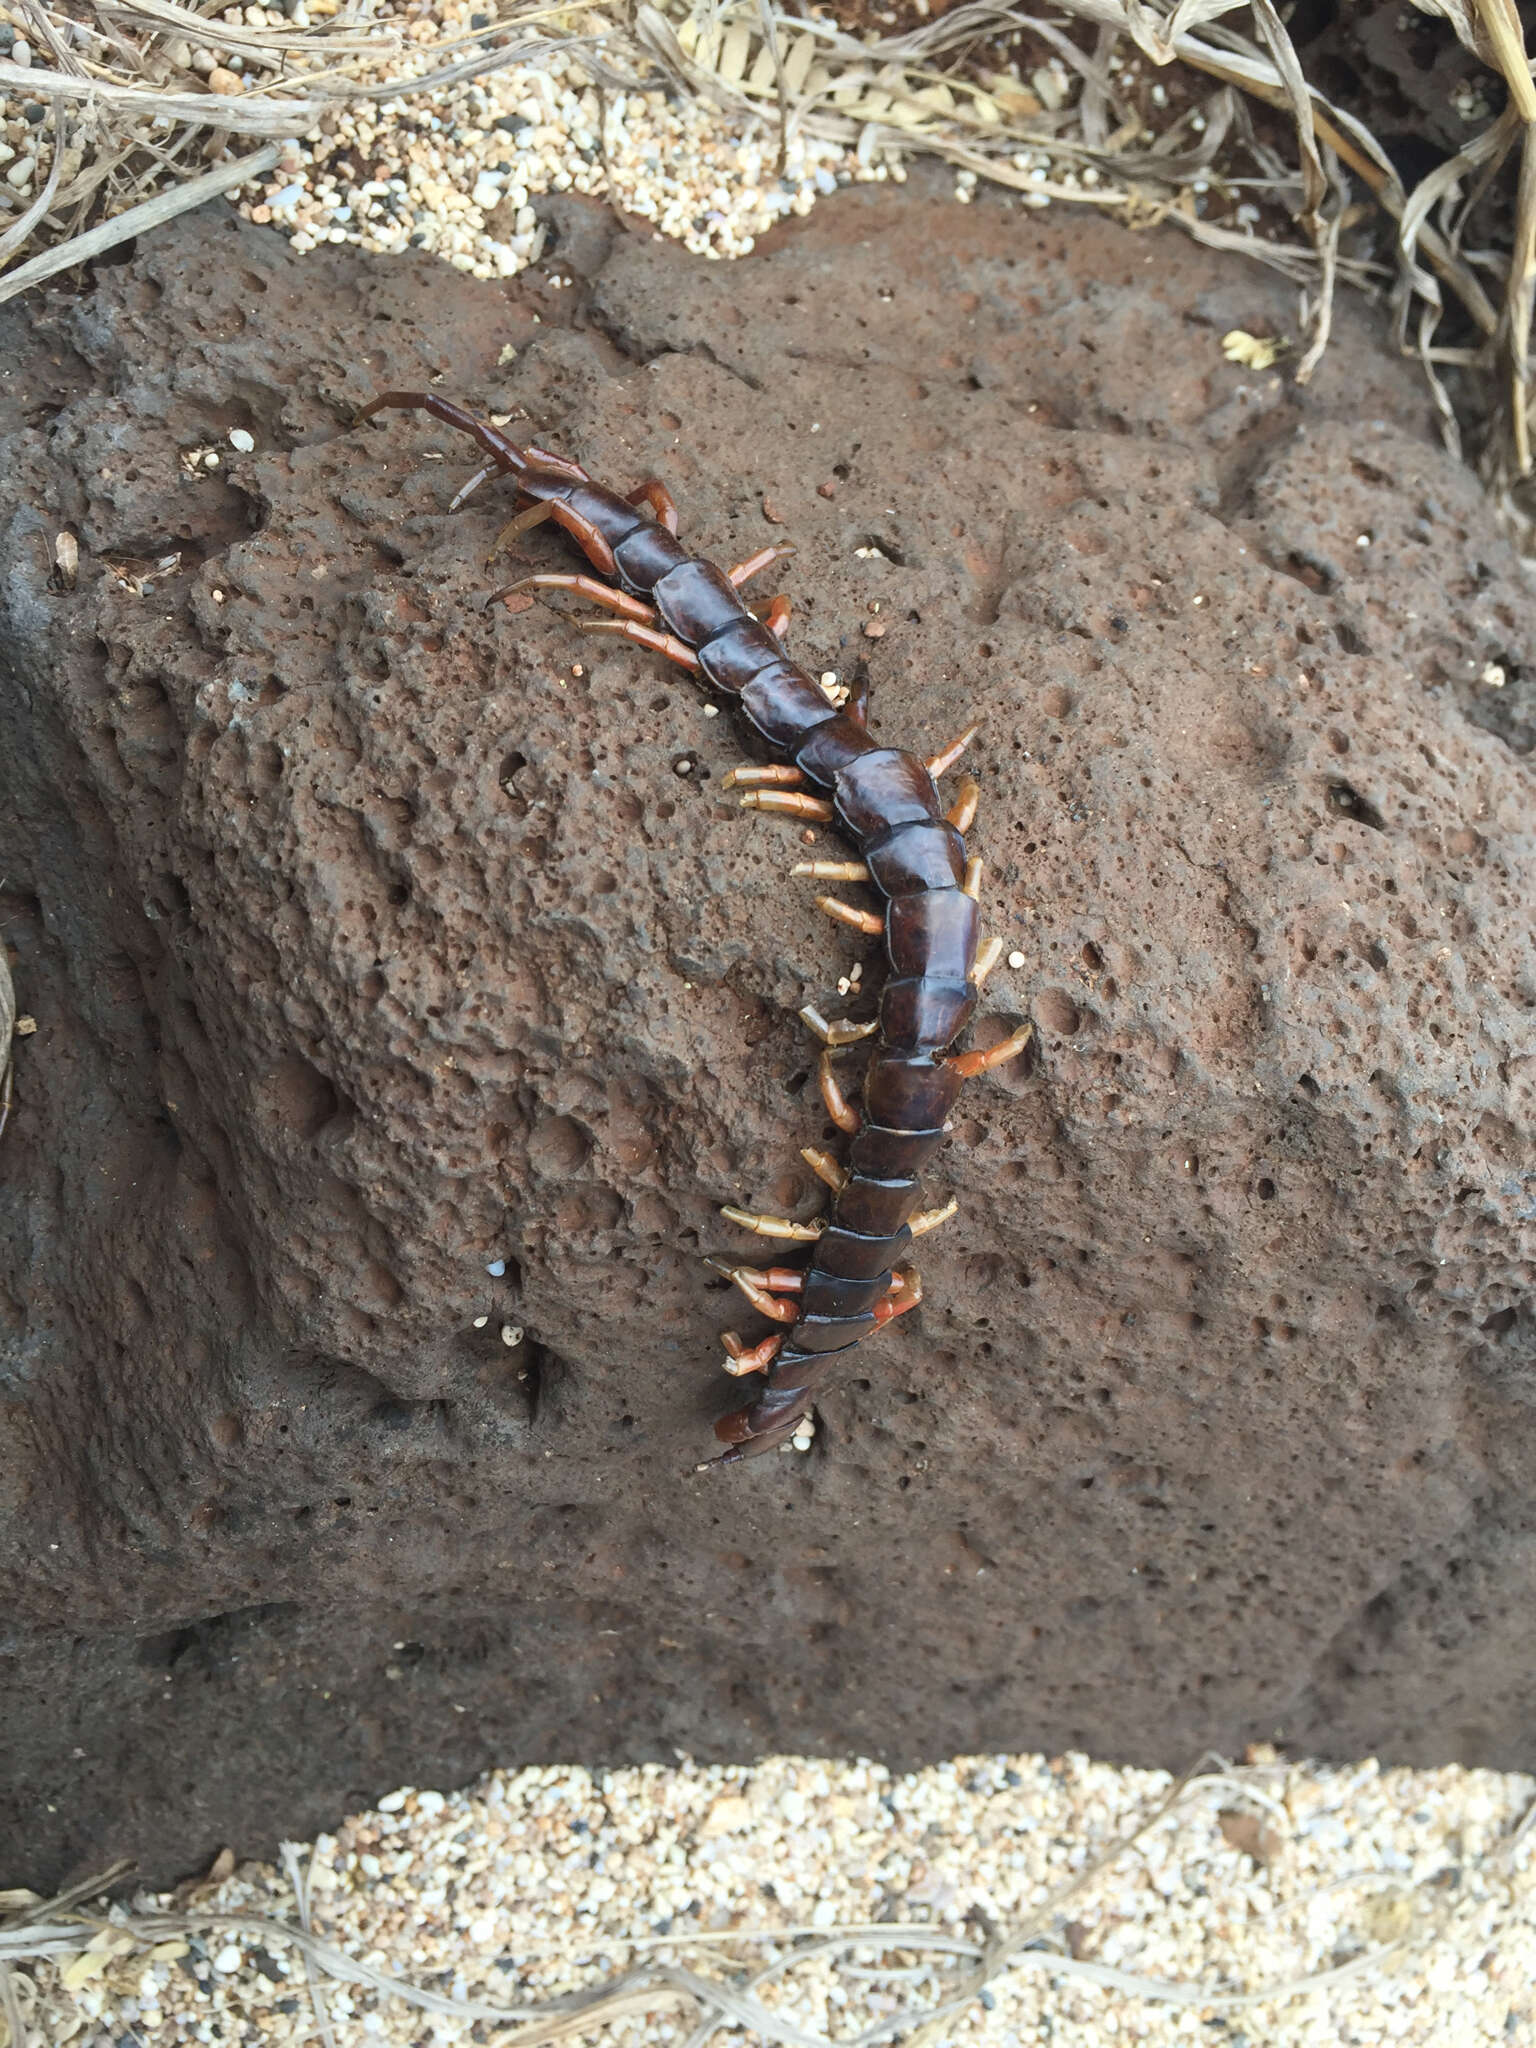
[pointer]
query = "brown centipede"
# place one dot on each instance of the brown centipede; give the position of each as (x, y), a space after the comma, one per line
(909, 848)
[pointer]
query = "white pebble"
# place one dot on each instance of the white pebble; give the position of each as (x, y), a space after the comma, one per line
(496, 1268)
(228, 1960)
(511, 1336)
(1015, 959)
(239, 438)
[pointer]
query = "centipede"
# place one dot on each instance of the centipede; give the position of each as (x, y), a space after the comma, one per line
(907, 847)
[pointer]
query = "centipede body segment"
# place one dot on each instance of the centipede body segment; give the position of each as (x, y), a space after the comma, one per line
(910, 850)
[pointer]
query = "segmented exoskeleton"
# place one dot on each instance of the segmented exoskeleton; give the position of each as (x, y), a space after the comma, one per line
(909, 847)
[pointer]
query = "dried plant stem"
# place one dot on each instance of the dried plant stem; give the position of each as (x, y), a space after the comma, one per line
(139, 219)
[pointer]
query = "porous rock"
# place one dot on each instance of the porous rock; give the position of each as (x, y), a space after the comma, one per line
(404, 980)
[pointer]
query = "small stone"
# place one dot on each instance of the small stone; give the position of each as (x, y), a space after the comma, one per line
(1015, 959)
(827, 490)
(511, 1335)
(20, 173)
(239, 438)
(228, 1960)
(222, 80)
(24, 1026)
(874, 629)
(21, 52)
(496, 1268)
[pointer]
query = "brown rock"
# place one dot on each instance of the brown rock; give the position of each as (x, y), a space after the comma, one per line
(372, 945)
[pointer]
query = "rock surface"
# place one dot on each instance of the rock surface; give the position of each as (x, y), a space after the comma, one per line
(376, 939)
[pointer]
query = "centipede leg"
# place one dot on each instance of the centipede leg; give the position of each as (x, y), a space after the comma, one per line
(586, 586)
(773, 1226)
(843, 1032)
(962, 812)
(763, 1296)
(971, 1064)
(972, 883)
(988, 953)
(940, 763)
(525, 521)
(653, 492)
(825, 1167)
(740, 1361)
(755, 564)
(791, 801)
(771, 774)
(777, 616)
(839, 1108)
(865, 921)
(906, 1292)
(930, 1219)
(646, 636)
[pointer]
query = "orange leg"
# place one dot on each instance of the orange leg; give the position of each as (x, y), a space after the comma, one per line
(906, 1292)
(755, 564)
(587, 538)
(791, 801)
(839, 1108)
(776, 618)
(646, 636)
(653, 492)
(586, 586)
(757, 1287)
(740, 1361)
(864, 921)
(971, 1064)
(775, 774)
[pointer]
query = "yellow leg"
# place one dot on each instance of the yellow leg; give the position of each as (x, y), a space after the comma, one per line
(962, 811)
(526, 520)
(940, 763)
(972, 883)
(791, 801)
(777, 774)
(841, 1033)
(832, 870)
(987, 956)
(930, 1219)
(862, 920)
(825, 1167)
(773, 1226)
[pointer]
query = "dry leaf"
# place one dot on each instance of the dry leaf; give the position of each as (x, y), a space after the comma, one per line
(1251, 1834)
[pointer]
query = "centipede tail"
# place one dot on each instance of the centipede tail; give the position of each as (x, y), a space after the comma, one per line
(908, 848)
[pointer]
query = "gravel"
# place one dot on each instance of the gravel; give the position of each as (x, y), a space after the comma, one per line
(1289, 1904)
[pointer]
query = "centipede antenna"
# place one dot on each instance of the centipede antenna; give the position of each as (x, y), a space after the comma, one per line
(987, 956)
(466, 491)
(941, 763)
(930, 1219)
(861, 920)
(832, 870)
(972, 883)
(825, 1167)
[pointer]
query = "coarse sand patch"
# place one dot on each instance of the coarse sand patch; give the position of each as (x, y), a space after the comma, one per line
(997, 1900)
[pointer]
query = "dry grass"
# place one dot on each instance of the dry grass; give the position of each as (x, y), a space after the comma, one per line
(131, 122)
